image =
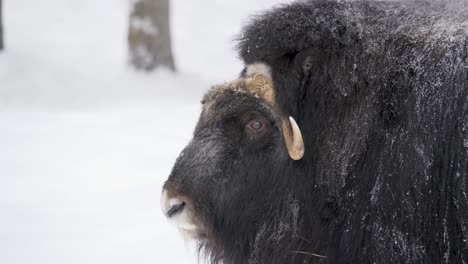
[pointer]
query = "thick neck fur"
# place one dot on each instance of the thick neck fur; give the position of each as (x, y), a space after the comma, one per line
(268, 224)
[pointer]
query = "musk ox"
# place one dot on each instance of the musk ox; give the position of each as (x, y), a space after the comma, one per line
(344, 140)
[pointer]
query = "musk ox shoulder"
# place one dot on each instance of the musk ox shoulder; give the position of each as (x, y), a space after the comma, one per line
(344, 140)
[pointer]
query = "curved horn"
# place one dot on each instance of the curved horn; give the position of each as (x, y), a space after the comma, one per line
(293, 138)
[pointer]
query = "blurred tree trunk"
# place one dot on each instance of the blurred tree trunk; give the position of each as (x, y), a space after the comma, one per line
(1, 28)
(149, 37)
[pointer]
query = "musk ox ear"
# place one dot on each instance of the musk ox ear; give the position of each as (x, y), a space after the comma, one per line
(293, 138)
(305, 60)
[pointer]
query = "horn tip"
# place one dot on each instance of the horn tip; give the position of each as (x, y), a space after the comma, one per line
(298, 152)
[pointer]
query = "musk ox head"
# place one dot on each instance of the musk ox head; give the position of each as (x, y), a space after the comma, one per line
(224, 181)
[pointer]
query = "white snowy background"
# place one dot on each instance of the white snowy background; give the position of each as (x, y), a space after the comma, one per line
(86, 142)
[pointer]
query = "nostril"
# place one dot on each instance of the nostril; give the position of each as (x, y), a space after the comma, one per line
(171, 205)
(175, 209)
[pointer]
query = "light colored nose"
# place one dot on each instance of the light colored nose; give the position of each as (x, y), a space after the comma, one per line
(171, 206)
(177, 211)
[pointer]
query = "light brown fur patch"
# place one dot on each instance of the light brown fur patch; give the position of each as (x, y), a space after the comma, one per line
(257, 85)
(261, 86)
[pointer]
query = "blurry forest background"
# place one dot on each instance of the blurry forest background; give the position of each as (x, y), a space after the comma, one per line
(90, 123)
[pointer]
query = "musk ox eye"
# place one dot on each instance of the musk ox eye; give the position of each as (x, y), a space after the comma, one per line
(255, 125)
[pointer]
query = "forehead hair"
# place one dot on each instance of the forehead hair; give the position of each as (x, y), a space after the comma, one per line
(256, 82)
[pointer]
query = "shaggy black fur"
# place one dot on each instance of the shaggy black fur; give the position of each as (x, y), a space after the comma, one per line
(380, 92)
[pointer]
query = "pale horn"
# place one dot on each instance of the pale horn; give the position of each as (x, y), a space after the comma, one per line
(293, 138)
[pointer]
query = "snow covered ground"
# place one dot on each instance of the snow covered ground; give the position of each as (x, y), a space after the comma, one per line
(86, 142)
